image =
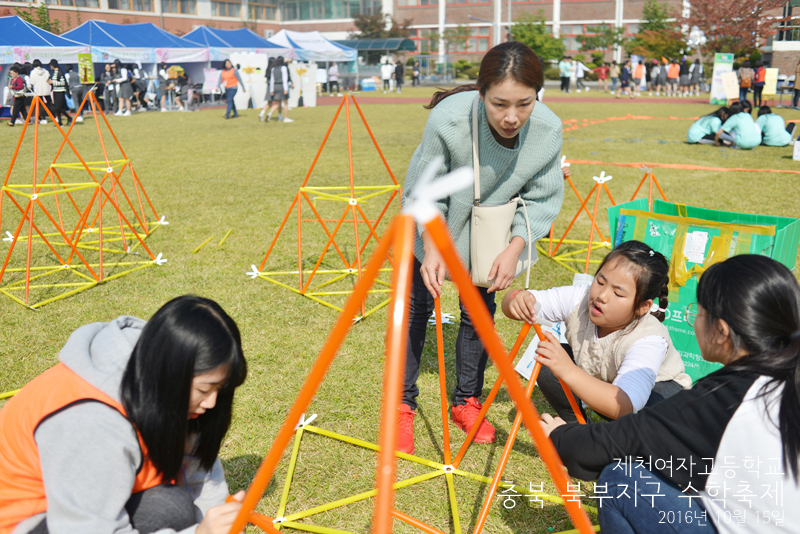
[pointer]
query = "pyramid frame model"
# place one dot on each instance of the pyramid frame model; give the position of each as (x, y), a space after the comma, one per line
(399, 239)
(337, 282)
(70, 244)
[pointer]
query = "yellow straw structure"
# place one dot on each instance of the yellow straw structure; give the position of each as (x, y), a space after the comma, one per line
(225, 237)
(8, 394)
(195, 251)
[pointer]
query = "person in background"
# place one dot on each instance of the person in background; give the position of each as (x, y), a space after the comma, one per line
(638, 74)
(614, 72)
(17, 85)
(740, 129)
(663, 69)
(602, 76)
(125, 89)
(796, 97)
(60, 93)
(704, 129)
(745, 75)
(387, 72)
(268, 97)
(279, 84)
(230, 82)
(333, 79)
(399, 75)
(183, 95)
(580, 73)
(695, 75)
(109, 90)
(774, 131)
(40, 81)
(685, 78)
(563, 72)
(415, 71)
(139, 83)
(673, 75)
(625, 79)
(76, 90)
(759, 79)
(163, 83)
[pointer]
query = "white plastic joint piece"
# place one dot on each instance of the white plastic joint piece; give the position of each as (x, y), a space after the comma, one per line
(163, 220)
(90, 230)
(109, 170)
(254, 273)
(128, 250)
(65, 266)
(564, 162)
(10, 237)
(448, 468)
(303, 421)
(353, 202)
(34, 196)
(421, 203)
(606, 243)
(159, 260)
(279, 520)
(602, 178)
(356, 319)
(647, 169)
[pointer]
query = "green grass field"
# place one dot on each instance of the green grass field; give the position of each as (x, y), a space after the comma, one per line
(208, 175)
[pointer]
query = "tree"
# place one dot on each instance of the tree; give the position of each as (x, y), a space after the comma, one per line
(40, 16)
(656, 16)
(730, 27)
(374, 27)
(530, 29)
(604, 37)
(456, 39)
(659, 35)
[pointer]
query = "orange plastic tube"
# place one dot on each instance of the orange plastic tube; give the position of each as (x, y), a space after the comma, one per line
(591, 230)
(396, 341)
(424, 527)
(575, 218)
(485, 327)
(310, 386)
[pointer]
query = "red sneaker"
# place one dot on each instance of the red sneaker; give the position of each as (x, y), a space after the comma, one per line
(405, 439)
(464, 417)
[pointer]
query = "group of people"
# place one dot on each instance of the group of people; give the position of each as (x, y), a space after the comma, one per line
(97, 443)
(393, 75)
(734, 127)
(54, 87)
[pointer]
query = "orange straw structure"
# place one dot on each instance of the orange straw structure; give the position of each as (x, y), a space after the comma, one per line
(396, 341)
(648, 173)
(484, 325)
(591, 230)
(681, 166)
(310, 386)
(424, 527)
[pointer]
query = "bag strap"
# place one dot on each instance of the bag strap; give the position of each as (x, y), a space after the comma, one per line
(530, 243)
(476, 167)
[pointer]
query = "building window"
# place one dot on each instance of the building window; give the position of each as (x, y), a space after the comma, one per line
(326, 9)
(570, 34)
(80, 3)
(467, 1)
(128, 5)
(426, 39)
(184, 7)
(225, 9)
(261, 10)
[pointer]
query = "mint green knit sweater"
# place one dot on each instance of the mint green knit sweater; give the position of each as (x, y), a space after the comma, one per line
(532, 169)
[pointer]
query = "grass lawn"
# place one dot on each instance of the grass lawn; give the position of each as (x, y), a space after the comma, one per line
(208, 175)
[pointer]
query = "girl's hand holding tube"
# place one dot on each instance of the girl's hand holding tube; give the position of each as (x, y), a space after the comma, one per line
(551, 354)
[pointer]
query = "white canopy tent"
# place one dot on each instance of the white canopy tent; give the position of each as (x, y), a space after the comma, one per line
(313, 46)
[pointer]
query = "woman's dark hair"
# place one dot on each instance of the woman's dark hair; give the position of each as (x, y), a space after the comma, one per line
(188, 336)
(759, 64)
(36, 63)
(747, 107)
(118, 63)
(720, 113)
(746, 64)
(650, 270)
(735, 108)
(14, 68)
(270, 64)
(279, 61)
(759, 299)
(764, 110)
(225, 63)
(511, 59)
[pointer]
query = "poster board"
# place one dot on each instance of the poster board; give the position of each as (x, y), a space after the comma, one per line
(771, 82)
(304, 79)
(730, 85)
(85, 68)
(722, 63)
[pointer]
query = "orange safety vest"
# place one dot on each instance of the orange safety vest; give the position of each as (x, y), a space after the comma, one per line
(639, 71)
(22, 491)
(761, 75)
(229, 77)
(674, 70)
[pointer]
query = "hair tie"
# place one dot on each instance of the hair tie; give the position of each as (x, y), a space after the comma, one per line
(662, 310)
(652, 253)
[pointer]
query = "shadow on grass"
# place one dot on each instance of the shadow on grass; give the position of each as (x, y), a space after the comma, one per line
(241, 470)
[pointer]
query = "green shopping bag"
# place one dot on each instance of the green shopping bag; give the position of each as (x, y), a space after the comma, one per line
(693, 239)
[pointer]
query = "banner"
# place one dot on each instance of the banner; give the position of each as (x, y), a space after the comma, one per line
(722, 63)
(771, 82)
(107, 54)
(68, 54)
(181, 55)
(85, 68)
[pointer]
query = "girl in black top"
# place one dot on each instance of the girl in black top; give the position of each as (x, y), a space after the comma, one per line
(60, 93)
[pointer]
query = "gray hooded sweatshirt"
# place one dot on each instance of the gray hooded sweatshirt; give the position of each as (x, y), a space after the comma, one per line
(90, 453)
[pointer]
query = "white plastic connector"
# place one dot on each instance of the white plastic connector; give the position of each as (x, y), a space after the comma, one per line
(159, 260)
(421, 202)
(353, 202)
(10, 237)
(448, 468)
(303, 421)
(163, 221)
(254, 273)
(602, 178)
(564, 162)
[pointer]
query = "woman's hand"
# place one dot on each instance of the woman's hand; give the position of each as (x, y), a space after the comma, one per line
(219, 519)
(551, 354)
(550, 423)
(505, 266)
(520, 307)
(433, 268)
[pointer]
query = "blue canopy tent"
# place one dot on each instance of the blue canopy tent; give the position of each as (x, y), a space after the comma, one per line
(222, 43)
(23, 42)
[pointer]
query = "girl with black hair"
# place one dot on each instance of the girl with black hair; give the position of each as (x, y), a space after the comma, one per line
(703, 130)
(124, 432)
(621, 357)
(774, 130)
(519, 156)
(268, 97)
(739, 130)
(725, 455)
(60, 93)
(279, 85)
(123, 81)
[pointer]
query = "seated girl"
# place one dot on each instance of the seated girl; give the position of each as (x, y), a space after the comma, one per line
(774, 131)
(124, 432)
(623, 356)
(703, 130)
(722, 456)
(740, 129)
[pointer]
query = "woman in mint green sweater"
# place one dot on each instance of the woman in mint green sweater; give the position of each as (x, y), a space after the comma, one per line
(519, 154)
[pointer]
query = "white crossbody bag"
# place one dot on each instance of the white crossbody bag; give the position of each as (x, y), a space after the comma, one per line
(490, 226)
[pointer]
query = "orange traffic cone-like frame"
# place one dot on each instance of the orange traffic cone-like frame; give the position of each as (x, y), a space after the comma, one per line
(73, 234)
(364, 231)
(400, 237)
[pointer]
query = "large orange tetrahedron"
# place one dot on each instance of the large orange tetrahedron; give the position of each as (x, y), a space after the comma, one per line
(76, 223)
(348, 232)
